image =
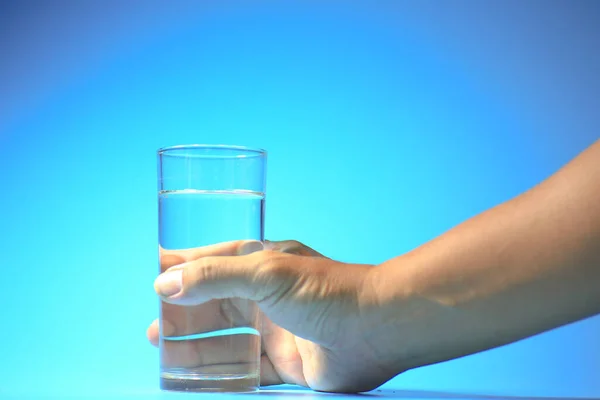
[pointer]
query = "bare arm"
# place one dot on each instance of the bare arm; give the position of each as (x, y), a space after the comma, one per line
(521, 268)
(524, 267)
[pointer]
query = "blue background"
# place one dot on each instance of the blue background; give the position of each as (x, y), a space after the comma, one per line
(386, 122)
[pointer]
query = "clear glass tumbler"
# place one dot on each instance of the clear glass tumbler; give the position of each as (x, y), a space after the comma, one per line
(207, 195)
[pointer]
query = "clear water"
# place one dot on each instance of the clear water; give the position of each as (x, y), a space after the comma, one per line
(193, 218)
(214, 346)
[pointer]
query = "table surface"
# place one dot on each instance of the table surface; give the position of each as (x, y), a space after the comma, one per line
(286, 392)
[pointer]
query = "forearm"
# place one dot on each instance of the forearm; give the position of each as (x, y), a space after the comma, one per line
(526, 266)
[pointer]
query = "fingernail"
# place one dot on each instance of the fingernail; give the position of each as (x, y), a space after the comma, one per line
(169, 283)
(250, 247)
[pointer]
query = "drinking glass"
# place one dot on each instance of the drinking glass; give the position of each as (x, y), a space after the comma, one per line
(209, 194)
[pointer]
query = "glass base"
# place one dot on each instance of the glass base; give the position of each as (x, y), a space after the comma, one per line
(211, 384)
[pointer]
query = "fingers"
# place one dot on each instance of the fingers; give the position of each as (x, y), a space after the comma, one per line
(211, 351)
(188, 269)
(216, 274)
(281, 347)
(268, 373)
(227, 350)
(207, 278)
(211, 316)
(152, 333)
(188, 356)
(170, 258)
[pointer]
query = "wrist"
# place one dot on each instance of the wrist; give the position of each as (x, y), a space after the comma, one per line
(413, 327)
(390, 310)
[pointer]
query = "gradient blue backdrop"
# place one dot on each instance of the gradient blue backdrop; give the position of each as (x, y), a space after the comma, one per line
(386, 122)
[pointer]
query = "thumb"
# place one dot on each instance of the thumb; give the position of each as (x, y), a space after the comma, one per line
(216, 277)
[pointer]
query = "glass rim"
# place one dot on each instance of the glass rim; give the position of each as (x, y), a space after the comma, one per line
(244, 151)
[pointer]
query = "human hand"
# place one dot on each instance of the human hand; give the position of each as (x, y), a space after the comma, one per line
(317, 313)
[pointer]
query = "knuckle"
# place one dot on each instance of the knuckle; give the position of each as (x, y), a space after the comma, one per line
(260, 257)
(274, 265)
(202, 270)
(291, 245)
(297, 248)
(275, 277)
(269, 258)
(296, 243)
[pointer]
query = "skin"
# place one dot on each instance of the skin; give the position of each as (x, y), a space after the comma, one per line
(526, 266)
